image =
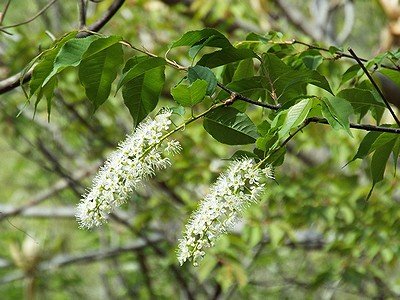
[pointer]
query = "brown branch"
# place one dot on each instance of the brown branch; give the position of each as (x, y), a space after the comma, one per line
(91, 257)
(366, 127)
(82, 14)
(237, 96)
(3, 13)
(339, 54)
(38, 14)
(43, 195)
(104, 18)
(13, 82)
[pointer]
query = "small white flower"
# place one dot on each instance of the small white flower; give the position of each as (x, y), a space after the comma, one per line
(136, 159)
(220, 209)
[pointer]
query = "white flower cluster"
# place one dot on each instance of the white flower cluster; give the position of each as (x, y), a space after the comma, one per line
(137, 158)
(220, 209)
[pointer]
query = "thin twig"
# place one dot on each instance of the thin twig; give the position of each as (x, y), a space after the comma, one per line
(3, 13)
(32, 18)
(54, 189)
(13, 82)
(82, 14)
(366, 127)
(237, 96)
(104, 18)
(375, 86)
(339, 54)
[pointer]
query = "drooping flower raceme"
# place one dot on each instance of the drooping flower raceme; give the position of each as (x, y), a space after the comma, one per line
(137, 158)
(219, 211)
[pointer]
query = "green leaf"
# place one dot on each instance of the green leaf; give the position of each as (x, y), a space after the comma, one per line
(136, 66)
(70, 54)
(46, 63)
(204, 73)
(101, 45)
(351, 73)
(190, 95)
(229, 126)
(318, 80)
(378, 163)
(99, 69)
(141, 93)
(277, 157)
(295, 115)
(396, 152)
(365, 146)
(215, 38)
(362, 100)
(312, 62)
(225, 56)
(289, 83)
(48, 92)
(371, 142)
(337, 111)
(245, 69)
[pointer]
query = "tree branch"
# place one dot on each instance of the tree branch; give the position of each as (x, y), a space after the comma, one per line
(375, 86)
(104, 18)
(236, 96)
(43, 195)
(13, 82)
(82, 14)
(66, 260)
(366, 127)
(339, 54)
(32, 18)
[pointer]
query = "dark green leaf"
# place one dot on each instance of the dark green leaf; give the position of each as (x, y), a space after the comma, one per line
(193, 37)
(70, 54)
(245, 69)
(333, 50)
(371, 142)
(141, 93)
(46, 63)
(229, 126)
(396, 152)
(351, 73)
(277, 157)
(289, 83)
(318, 80)
(365, 146)
(101, 44)
(362, 100)
(204, 73)
(378, 163)
(48, 92)
(312, 62)
(139, 65)
(225, 56)
(190, 95)
(98, 70)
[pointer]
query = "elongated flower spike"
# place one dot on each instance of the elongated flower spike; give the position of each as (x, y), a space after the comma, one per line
(220, 210)
(137, 158)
